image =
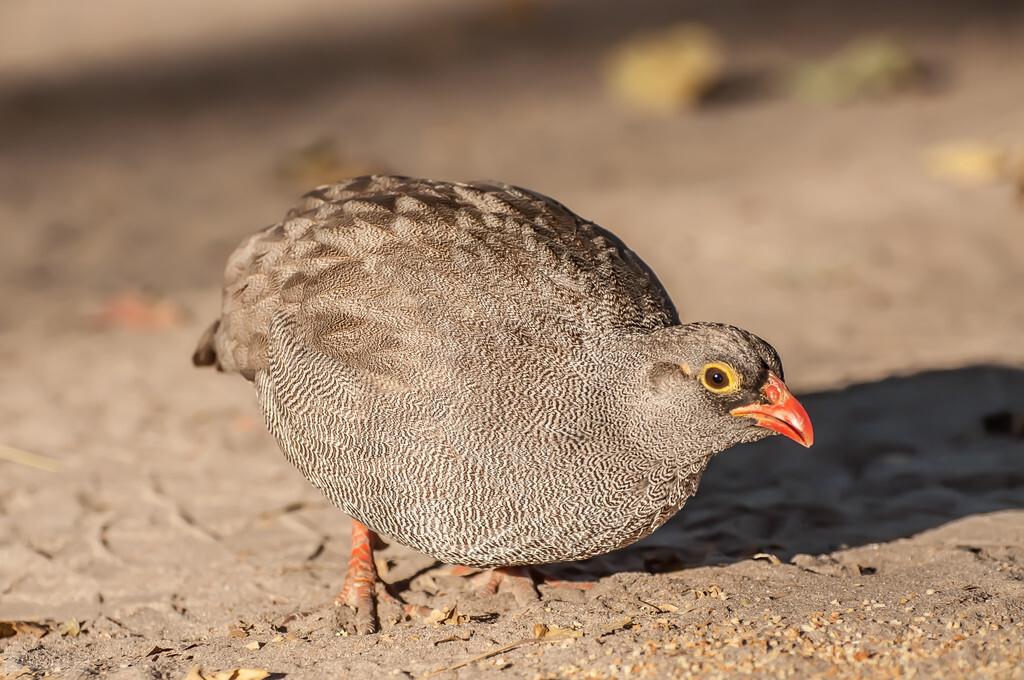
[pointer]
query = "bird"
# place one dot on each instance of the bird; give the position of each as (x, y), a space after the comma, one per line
(482, 375)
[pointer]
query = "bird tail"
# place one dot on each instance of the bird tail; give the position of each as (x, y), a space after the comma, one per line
(206, 350)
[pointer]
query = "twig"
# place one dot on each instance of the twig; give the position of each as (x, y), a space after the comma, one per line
(489, 654)
(34, 460)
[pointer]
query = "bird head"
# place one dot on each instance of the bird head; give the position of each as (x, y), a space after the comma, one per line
(723, 385)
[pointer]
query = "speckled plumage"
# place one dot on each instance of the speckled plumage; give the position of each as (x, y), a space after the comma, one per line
(476, 371)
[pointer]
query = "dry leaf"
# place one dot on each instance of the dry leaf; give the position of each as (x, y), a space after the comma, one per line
(712, 591)
(616, 626)
(767, 556)
(667, 71)
(16, 674)
(70, 628)
(320, 162)
(239, 631)
(29, 628)
(136, 311)
(867, 67)
(254, 645)
(968, 163)
(449, 616)
(36, 630)
(196, 673)
(542, 631)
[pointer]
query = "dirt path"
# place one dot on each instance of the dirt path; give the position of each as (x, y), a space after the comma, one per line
(175, 533)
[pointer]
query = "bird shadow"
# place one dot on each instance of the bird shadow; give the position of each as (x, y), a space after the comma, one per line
(892, 458)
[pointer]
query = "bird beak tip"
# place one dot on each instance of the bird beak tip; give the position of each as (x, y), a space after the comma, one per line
(783, 414)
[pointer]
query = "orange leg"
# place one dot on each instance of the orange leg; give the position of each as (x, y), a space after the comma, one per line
(358, 590)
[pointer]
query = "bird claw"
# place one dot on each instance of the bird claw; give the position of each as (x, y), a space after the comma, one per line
(516, 580)
(520, 581)
(363, 589)
(357, 594)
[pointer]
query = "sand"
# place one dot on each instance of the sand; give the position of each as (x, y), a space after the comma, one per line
(174, 534)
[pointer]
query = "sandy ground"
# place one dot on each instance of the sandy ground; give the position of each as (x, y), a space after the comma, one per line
(175, 534)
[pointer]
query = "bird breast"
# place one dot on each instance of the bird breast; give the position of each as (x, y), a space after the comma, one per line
(488, 458)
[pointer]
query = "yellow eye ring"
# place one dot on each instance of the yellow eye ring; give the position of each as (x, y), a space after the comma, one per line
(719, 377)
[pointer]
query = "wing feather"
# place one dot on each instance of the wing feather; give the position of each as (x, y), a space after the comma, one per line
(372, 265)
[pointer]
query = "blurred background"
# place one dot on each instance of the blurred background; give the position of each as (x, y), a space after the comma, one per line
(845, 179)
(842, 178)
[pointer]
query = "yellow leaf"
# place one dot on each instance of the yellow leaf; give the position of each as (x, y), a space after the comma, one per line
(867, 67)
(320, 162)
(70, 628)
(666, 71)
(250, 674)
(968, 163)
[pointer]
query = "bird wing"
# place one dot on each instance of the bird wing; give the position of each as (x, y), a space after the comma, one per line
(370, 268)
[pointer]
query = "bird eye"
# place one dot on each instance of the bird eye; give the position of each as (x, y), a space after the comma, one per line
(720, 378)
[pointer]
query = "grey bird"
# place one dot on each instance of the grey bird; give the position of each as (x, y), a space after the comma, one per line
(484, 376)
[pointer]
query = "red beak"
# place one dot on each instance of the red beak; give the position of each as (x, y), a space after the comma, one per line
(782, 414)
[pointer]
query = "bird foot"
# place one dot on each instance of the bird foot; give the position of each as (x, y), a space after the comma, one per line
(569, 585)
(516, 580)
(358, 595)
(363, 589)
(521, 582)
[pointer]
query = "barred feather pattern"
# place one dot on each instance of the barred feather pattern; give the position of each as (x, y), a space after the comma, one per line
(466, 367)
